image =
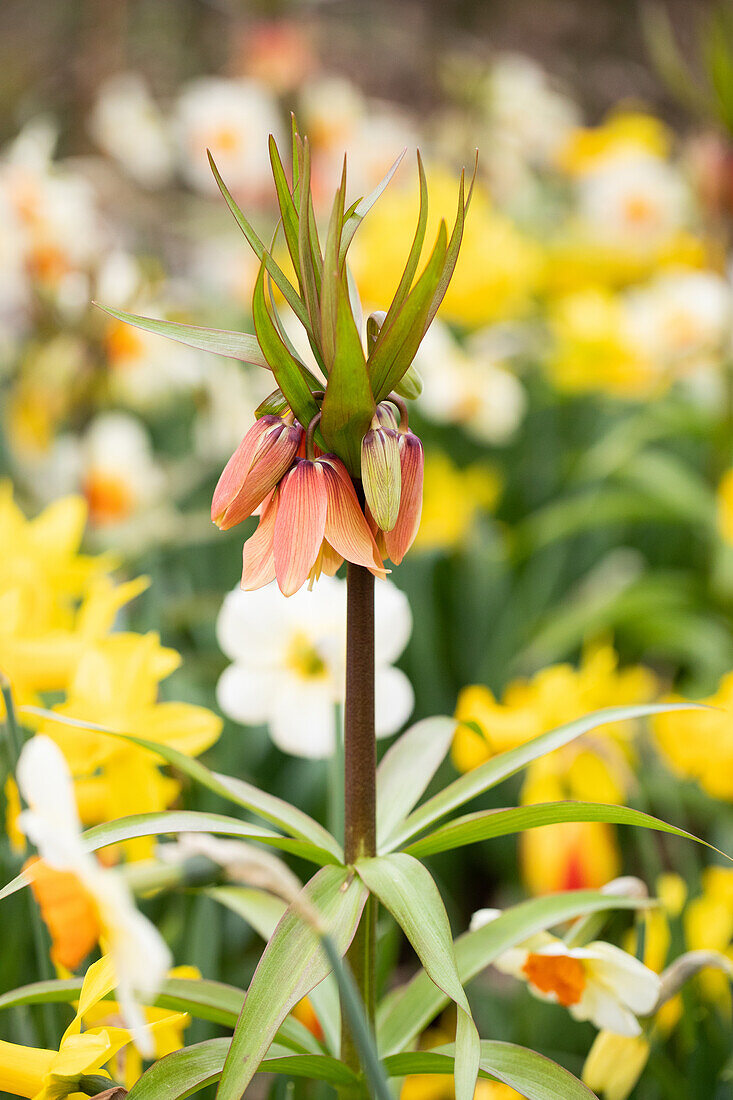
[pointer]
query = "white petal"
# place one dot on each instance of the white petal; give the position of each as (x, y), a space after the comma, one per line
(392, 622)
(303, 719)
(482, 917)
(247, 694)
(252, 626)
(624, 976)
(605, 1011)
(51, 821)
(394, 700)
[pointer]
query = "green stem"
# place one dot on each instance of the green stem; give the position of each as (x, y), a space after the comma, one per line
(360, 762)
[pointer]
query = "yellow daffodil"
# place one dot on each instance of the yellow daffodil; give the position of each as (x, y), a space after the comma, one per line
(615, 1063)
(479, 292)
(166, 1029)
(452, 499)
(80, 900)
(116, 685)
(622, 133)
(54, 600)
(552, 697)
(708, 924)
(592, 350)
(596, 767)
(698, 744)
(54, 1075)
(597, 982)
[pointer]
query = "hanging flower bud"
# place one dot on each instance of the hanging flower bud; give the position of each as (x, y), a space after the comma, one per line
(311, 522)
(380, 468)
(255, 468)
(411, 383)
(399, 540)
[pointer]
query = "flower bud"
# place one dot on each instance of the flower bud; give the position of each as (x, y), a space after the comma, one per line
(380, 472)
(400, 538)
(259, 462)
(411, 383)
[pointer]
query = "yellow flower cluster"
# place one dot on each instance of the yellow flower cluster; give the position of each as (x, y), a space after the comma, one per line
(56, 635)
(698, 744)
(479, 292)
(596, 767)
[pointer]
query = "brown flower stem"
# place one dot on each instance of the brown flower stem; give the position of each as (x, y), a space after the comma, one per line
(360, 762)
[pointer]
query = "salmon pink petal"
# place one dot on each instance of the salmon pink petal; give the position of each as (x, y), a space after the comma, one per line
(254, 469)
(258, 560)
(346, 527)
(300, 524)
(399, 540)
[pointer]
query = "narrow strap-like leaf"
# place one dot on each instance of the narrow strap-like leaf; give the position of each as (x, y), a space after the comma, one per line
(413, 258)
(500, 767)
(268, 806)
(291, 965)
(406, 769)
(235, 345)
(279, 277)
(398, 340)
(285, 367)
(407, 1011)
(360, 209)
(406, 888)
(486, 824)
(288, 212)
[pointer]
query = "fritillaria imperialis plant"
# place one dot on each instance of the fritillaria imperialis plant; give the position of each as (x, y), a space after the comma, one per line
(334, 474)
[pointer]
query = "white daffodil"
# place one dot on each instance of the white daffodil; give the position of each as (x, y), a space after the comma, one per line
(682, 319)
(597, 982)
(469, 385)
(232, 118)
(127, 125)
(635, 201)
(288, 669)
(97, 898)
(120, 476)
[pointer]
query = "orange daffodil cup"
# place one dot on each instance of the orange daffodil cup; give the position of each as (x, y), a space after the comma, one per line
(330, 464)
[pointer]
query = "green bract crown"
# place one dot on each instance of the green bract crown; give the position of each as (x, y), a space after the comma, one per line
(327, 305)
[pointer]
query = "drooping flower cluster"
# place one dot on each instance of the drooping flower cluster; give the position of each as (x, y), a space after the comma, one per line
(323, 439)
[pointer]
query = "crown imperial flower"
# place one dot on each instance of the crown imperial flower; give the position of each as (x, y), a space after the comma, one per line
(357, 486)
(255, 468)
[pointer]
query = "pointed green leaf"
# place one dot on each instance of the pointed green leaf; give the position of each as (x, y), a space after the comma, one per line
(292, 964)
(413, 258)
(400, 338)
(288, 213)
(285, 366)
(406, 888)
(407, 1011)
(406, 769)
(454, 246)
(307, 274)
(500, 767)
(348, 406)
(360, 209)
(492, 823)
(258, 908)
(280, 279)
(275, 810)
(194, 821)
(519, 1068)
(235, 345)
(275, 404)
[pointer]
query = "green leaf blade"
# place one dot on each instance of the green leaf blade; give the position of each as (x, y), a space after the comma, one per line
(292, 964)
(234, 345)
